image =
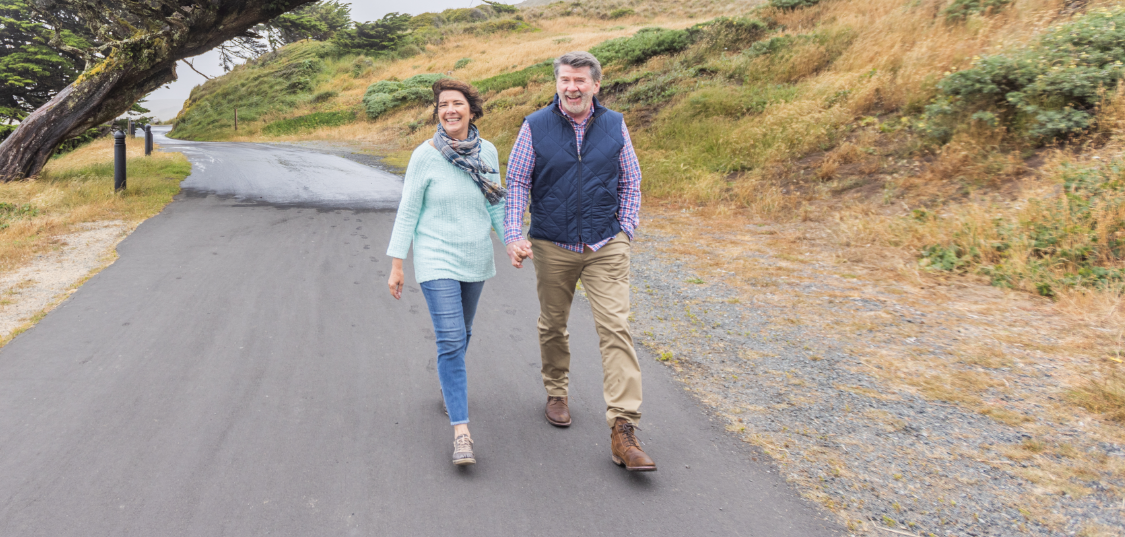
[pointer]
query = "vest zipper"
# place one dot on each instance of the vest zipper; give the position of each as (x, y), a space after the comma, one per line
(580, 181)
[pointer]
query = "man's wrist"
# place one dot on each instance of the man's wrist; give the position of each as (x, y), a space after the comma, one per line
(509, 239)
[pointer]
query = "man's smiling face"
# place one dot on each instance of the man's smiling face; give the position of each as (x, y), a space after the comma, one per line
(576, 89)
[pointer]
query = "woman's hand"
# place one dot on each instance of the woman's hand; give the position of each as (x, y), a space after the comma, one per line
(396, 279)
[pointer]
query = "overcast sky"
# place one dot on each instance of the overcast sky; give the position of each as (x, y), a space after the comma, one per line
(166, 102)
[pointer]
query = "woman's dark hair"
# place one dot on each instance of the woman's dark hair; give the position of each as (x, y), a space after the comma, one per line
(476, 103)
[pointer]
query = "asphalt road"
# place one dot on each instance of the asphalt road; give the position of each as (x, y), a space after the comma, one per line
(242, 370)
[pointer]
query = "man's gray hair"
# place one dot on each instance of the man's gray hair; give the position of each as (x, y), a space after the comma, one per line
(578, 60)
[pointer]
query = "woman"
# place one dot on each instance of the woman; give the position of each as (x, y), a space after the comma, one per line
(450, 199)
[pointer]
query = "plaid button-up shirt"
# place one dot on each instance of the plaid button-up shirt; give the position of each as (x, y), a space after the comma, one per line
(522, 162)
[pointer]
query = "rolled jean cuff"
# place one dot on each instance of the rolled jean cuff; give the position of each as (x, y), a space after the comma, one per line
(459, 422)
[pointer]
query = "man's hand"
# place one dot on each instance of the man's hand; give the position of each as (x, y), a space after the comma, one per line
(394, 283)
(518, 251)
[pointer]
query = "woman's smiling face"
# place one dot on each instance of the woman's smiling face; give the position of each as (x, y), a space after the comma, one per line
(453, 112)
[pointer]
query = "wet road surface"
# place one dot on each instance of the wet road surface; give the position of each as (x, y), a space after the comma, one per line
(242, 370)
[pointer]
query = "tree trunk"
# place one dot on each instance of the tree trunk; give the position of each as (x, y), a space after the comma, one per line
(131, 71)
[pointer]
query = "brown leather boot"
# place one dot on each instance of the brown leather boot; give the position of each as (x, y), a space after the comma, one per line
(558, 413)
(626, 449)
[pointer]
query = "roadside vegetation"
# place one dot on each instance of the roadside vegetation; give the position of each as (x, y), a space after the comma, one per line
(77, 188)
(918, 145)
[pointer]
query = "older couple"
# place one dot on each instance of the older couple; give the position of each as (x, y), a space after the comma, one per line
(573, 161)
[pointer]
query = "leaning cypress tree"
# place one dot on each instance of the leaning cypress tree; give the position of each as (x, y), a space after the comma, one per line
(138, 45)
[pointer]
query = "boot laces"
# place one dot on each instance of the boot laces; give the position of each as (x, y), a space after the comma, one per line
(463, 444)
(629, 435)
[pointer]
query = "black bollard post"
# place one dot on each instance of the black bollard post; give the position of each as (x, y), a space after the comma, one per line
(148, 140)
(118, 161)
(132, 129)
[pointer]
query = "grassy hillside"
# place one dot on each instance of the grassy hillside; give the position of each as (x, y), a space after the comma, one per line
(778, 109)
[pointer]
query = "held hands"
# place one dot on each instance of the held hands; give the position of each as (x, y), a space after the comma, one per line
(518, 251)
(396, 279)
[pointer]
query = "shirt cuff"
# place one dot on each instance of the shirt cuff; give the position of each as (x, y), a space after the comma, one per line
(510, 237)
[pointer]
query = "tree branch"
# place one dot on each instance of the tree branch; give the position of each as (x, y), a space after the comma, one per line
(196, 70)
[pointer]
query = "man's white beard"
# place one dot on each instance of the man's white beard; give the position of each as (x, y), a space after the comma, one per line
(582, 106)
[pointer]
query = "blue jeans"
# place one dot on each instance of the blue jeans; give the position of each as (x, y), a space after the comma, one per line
(452, 307)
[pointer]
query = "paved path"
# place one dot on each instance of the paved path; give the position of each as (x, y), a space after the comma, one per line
(241, 370)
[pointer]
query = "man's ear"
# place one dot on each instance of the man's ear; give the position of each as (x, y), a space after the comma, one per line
(597, 87)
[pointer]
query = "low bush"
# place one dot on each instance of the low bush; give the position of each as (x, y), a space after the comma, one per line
(1074, 240)
(1045, 91)
(361, 65)
(961, 9)
(769, 46)
(303, 68)
(462, 63)
(14, 211)
(793, 4)
(323, 96)
(621, 12)
(308, 122)
(500, 26)
(386, 95)
(729, 34)
(540, 71)
(645, 44)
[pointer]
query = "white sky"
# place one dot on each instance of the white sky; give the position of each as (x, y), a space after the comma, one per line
(166, 102)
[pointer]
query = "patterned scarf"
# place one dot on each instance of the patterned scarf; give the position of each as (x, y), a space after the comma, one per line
(465, 154)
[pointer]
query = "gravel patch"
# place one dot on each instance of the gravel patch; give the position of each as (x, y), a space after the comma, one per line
(39, 286)
(882, 458)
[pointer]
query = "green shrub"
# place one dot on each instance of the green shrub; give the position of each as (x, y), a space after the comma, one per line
(299, 85)
(769, 46)
(386, 95)
(961, 9)
(12, 211)
(501, 25)
(1076, 239)
(540, 71)
(726, 33)
(645, 44)
(500, 8)
(323, 97)
(462, 63)
(465, 14)
(308, 122)
(621, 12)
(303, 68)
(361, 65)
(793, 4)
(1047, 90)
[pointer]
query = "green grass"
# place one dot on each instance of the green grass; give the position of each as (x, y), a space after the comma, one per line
(267, 87)
(309, 122)
(78, 187)
(540, 71)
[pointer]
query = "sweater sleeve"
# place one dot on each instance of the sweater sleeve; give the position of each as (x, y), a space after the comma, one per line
(409, 207)
(495, 212)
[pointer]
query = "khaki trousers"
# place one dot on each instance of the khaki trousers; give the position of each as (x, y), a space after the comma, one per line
(605, 277)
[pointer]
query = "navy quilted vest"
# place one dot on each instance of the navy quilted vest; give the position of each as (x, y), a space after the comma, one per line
(574, 197)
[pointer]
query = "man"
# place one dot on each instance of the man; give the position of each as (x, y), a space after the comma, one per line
(575, 161)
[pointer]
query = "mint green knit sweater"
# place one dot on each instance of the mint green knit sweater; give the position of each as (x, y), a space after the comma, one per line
(446, 216)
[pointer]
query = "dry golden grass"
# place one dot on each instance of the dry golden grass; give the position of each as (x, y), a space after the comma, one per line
(78, 187)
(1003, 339)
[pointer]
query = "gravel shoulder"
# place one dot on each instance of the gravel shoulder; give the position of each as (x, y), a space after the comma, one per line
(29, 292)
(863, 392)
